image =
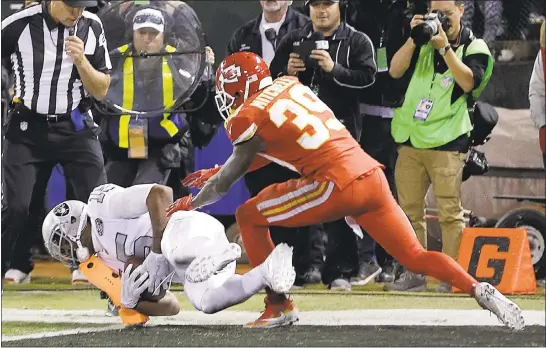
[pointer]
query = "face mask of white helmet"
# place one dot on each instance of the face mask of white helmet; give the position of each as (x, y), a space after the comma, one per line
(62, 229)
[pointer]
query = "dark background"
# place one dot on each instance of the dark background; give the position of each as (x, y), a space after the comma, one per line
(508, 87)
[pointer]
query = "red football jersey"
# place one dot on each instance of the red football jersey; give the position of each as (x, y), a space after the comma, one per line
(301, 133)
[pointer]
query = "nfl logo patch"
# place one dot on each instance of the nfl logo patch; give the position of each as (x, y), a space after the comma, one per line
(446, 82)
(23, 125)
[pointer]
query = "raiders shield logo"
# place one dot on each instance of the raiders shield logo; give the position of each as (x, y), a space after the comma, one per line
(61, 210)
(100, 227)
(23, 125)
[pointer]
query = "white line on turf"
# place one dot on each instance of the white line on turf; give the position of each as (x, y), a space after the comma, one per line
(396, 317)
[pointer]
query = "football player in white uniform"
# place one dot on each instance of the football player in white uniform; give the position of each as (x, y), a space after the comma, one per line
(121, 223)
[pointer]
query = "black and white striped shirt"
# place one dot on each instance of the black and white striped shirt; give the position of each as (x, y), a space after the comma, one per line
(46, 80)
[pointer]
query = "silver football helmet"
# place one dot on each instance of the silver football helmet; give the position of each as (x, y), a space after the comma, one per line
(62, 229)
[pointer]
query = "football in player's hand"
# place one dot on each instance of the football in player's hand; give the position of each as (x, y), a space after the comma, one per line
(146, 295)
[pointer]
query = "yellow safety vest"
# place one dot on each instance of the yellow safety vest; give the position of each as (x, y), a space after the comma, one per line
(128, 95)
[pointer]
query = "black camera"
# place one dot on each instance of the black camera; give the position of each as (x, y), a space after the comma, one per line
(423, 32)
(304, 47)
(476, 164)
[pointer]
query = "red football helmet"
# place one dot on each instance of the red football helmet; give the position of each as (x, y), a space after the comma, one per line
(238, 77)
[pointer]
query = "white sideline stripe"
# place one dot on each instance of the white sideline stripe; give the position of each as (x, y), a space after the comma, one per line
(61, 333)
(393, 317)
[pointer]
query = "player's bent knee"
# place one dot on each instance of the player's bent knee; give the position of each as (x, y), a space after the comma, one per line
(208, 306)
(173, 308)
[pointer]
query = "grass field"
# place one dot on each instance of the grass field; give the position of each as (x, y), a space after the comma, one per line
(51, 312)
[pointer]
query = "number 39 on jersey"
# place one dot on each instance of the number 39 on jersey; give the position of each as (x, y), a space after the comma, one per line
(299, 106)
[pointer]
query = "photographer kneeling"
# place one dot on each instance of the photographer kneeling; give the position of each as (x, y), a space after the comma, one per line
(336, 62)
(449, 68)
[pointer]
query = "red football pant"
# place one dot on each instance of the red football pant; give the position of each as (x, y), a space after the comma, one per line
(368, 200)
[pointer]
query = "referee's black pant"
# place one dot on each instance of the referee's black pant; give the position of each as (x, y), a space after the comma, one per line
(33, 147)
(308, 241)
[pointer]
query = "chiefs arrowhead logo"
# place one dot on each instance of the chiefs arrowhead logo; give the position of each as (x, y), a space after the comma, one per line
(231, 74)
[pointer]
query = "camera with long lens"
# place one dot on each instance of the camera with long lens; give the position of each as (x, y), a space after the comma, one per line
(423, 32)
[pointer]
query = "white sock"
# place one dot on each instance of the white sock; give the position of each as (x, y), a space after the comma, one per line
(237, 289)
(253, 281)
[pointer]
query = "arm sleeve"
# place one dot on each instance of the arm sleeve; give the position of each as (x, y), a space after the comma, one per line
(537, 98)
(122, 203)
(361, 73)
(11, 31)
(478, 64)
(233, 45)
(100, 59)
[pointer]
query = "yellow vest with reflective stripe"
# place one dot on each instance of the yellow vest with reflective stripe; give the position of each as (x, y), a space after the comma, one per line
(128, 96)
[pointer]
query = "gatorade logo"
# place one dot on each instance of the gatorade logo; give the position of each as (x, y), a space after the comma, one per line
(487, 257)
(499, 256)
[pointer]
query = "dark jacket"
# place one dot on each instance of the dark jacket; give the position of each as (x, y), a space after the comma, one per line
(354, 70)
(248, 37)
(387, 25)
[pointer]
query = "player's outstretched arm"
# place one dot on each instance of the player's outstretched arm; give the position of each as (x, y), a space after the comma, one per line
(235, 167)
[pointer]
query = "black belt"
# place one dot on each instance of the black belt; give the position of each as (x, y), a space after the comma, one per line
(55, 118)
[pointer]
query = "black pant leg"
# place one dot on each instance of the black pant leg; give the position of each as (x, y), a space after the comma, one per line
(121, 172)
(20, 168)
(150, 172)
(341, 253)
(83, 162)
(22, 256)
(157, 167)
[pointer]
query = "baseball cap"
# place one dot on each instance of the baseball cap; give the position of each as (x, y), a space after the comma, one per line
(307, 2)
(81, 3)
(149, 18)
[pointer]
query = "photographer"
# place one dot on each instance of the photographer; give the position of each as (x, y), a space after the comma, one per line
(449, 68)
(336, 62)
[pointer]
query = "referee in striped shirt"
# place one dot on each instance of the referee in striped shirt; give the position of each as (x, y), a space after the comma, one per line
(60, 59)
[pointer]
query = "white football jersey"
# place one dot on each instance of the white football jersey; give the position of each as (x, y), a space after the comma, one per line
(120, 223)
(121, 227)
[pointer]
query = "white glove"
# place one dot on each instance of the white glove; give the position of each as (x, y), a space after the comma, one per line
(131, 287)
(157, 267)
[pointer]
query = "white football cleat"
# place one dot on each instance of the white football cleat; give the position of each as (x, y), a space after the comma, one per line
(506, 311)
(203, 267)
(278, 270)
(15, 276)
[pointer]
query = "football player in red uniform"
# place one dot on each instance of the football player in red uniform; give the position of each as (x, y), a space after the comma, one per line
(285, 122)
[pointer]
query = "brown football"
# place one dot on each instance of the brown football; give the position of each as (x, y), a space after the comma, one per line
(146, 295)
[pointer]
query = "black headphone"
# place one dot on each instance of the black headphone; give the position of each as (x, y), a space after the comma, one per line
(342, 9)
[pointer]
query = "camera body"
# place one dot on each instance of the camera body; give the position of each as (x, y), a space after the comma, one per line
(423, 32)
(304, 47)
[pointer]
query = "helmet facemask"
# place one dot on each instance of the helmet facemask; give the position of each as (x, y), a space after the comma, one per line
(62, 247)
(224, 103)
